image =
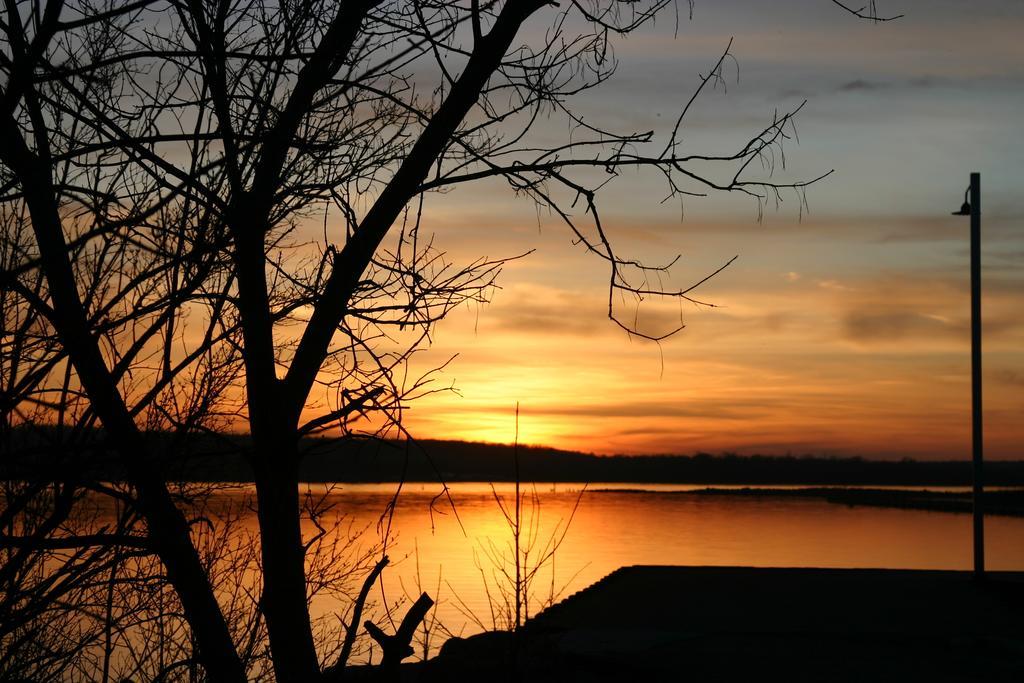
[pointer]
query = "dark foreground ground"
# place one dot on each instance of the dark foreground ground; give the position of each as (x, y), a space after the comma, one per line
(746, 624)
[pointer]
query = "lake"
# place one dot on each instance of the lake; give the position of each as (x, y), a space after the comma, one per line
(457, 554)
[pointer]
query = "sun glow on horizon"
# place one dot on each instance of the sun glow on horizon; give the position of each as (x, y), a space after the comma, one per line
(838, 331)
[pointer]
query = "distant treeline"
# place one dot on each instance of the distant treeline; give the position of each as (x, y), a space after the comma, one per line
(373, 461)
(222, 459)
(463, 461)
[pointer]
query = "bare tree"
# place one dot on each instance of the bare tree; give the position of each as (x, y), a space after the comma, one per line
(158, 161)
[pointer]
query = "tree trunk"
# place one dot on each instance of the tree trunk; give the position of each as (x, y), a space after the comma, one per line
(284, 577)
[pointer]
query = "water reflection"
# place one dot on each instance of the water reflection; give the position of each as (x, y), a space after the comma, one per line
(611, 529)
(437, 547)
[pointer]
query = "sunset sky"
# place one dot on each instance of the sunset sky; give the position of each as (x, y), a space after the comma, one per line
(844, 332)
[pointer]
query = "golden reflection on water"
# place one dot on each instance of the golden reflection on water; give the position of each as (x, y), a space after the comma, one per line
(445, 548)
(612, 529)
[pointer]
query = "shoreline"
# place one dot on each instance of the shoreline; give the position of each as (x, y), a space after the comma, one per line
(1004, 502)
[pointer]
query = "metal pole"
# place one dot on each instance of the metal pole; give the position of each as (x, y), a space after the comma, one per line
(976, 425)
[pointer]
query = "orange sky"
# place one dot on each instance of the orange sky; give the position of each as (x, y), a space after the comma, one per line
(869, 361)
(842, 331)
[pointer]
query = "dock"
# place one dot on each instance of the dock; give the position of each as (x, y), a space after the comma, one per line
(668, 623)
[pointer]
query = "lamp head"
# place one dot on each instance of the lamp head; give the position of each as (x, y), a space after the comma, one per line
(965, 210)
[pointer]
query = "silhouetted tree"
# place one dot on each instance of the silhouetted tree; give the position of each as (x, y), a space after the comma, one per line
(157, 159)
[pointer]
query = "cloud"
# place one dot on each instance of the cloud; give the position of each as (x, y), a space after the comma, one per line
(834, 285)
(1011, 378)
(1001, 228)
(900, 307)
(541, 310)
(928, 308)
(547, 318)
(866, 326)
(860, 85)
(717, 409)
(863, 85)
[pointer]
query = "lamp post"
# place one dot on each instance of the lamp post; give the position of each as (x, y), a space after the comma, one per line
(972, 208)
